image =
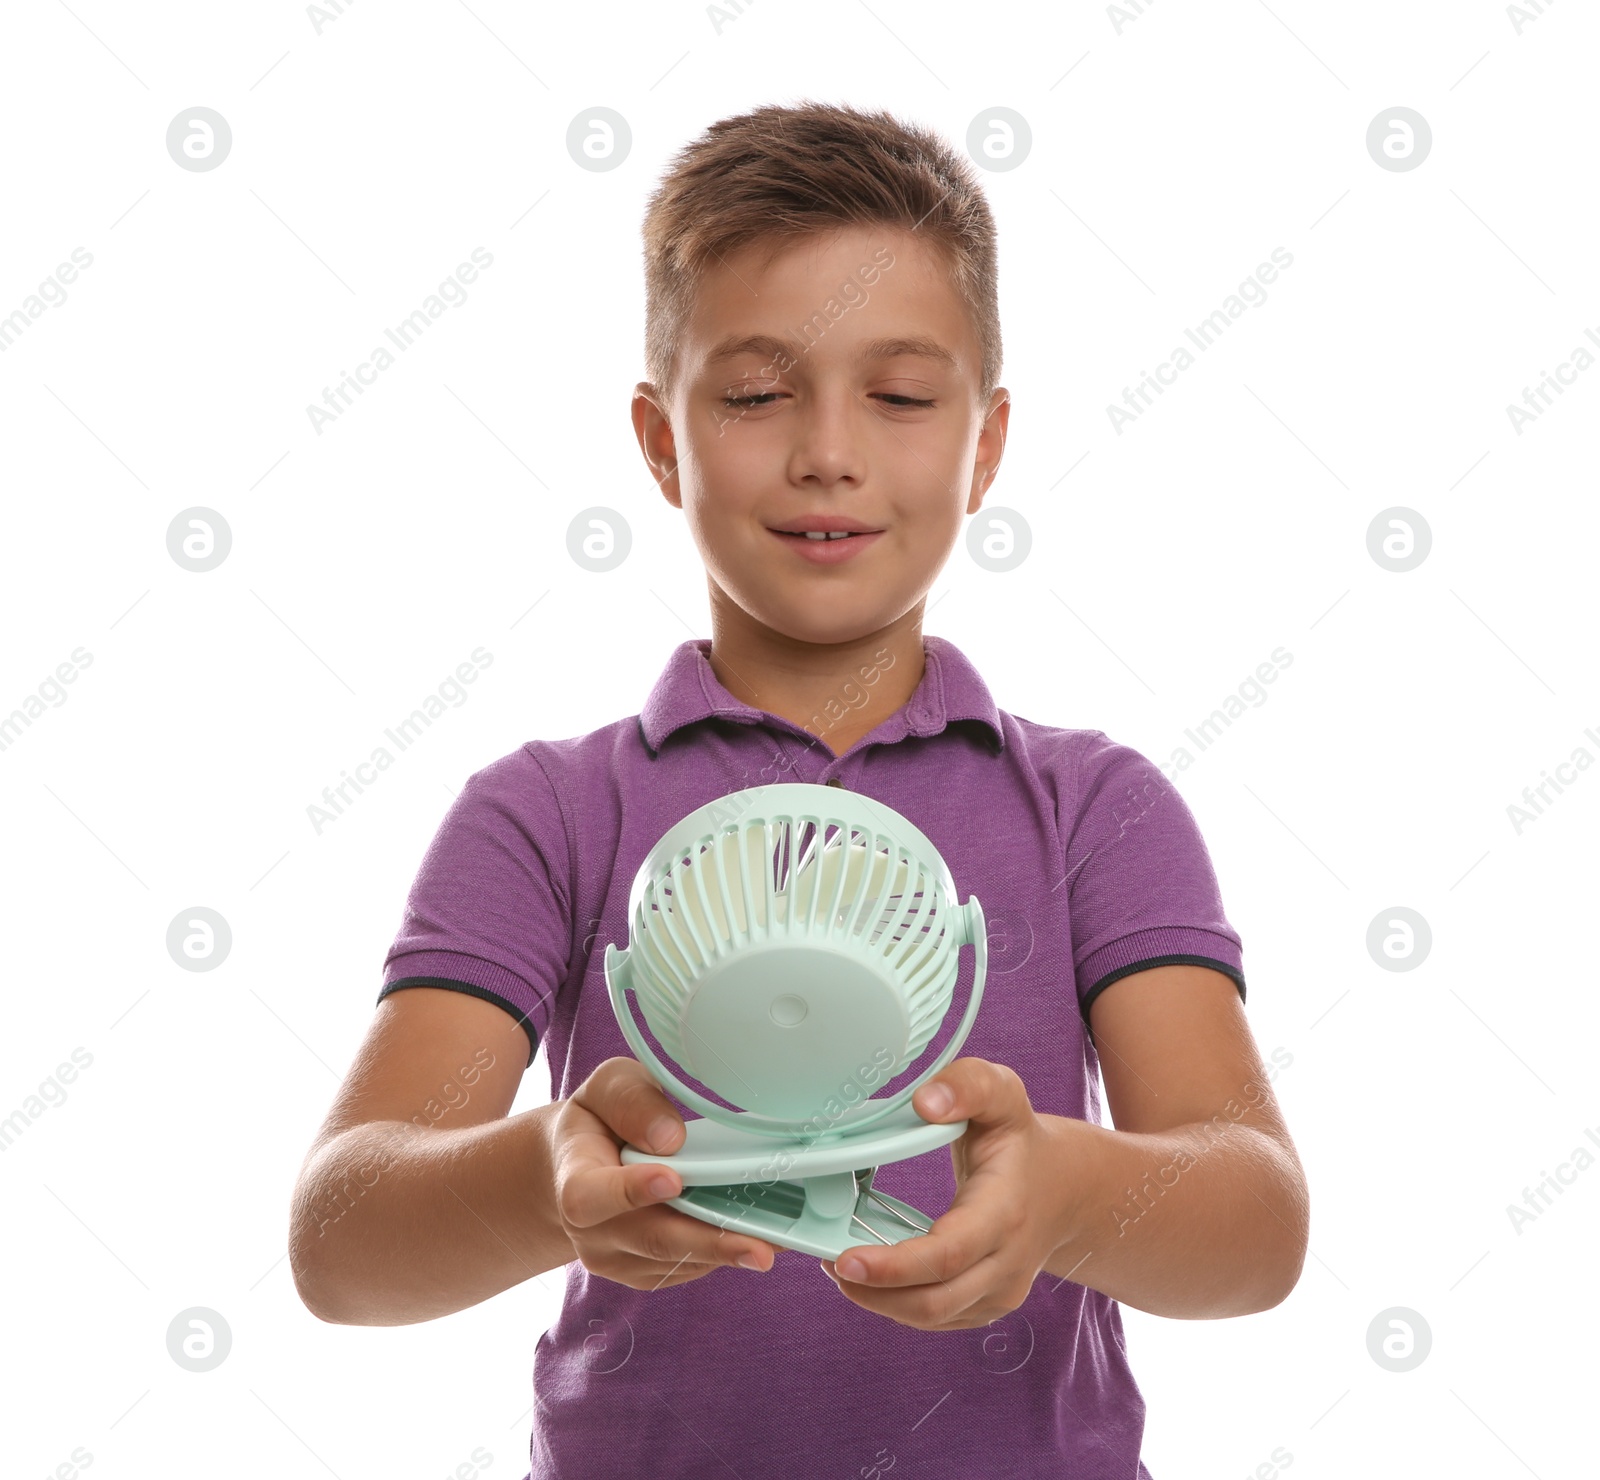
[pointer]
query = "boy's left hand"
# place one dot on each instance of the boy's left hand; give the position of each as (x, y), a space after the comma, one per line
(979, 1261)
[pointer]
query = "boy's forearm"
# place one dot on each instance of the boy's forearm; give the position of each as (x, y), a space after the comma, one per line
(1196, 1222)
(393, 1224)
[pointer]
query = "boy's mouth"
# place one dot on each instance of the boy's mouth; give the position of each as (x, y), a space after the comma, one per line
(828, 547)
(816, 535)
(820, 527)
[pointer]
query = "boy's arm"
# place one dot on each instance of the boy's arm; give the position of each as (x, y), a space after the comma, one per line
(1196, 1205)
(420, 1197)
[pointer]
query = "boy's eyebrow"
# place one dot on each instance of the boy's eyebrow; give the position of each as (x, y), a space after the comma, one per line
(774, 348)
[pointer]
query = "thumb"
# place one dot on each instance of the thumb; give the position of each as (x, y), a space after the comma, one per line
(621, 1093)
(972, 1089)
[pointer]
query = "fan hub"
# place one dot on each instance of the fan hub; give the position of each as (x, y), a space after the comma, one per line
(789, 1028)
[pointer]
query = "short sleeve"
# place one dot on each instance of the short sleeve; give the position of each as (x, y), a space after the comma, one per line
(1143, 891)
(489, 912)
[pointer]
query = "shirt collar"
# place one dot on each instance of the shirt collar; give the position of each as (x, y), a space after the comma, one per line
(689, 691)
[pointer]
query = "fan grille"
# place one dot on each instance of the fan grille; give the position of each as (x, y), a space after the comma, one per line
(795, 876)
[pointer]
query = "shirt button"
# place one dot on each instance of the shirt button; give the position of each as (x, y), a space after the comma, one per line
(835, 781)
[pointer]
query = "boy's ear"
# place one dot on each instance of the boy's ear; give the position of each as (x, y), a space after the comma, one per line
(656, 441)
(991, 447)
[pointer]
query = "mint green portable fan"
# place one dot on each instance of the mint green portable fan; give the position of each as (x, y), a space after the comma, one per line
(792, 947)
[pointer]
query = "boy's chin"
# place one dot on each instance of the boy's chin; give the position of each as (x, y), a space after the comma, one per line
(835, 630)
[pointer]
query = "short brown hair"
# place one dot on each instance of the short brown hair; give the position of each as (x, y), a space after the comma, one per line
(779, 173)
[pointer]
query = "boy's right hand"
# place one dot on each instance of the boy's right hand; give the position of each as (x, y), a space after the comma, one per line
(611, 1213)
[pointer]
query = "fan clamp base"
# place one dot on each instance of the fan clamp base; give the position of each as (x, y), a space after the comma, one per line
(810, 1193)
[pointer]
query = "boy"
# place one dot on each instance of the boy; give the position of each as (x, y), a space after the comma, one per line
(993, 1345)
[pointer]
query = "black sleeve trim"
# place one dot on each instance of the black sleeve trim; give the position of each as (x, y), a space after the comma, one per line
(1232, 973)
(523, 1021)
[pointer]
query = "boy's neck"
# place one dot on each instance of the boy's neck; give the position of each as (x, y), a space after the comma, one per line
(838, 692)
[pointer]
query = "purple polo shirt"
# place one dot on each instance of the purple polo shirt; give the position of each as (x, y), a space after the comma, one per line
(1089, 866)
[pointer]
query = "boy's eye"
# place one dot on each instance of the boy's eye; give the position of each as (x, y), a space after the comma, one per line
(767, 396)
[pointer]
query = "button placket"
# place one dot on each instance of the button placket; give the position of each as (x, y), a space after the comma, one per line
(781, 766)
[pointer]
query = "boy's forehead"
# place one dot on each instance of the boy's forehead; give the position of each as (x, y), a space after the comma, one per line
(897, 300)
(738, 345)
(825, 258)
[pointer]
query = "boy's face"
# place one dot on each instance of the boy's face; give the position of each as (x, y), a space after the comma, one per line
(834, 426)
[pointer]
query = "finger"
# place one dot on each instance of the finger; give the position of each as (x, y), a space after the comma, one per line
(594, 1194)
(666, 1235)
(662, 1240)
(648, 1275)
(618, 1103)
(958, 1240)
(675, 1274)
(943, 1305)
(591, 1190)
(622, 1094)
(644, 1274)
(980, 1089)
(591, 1182)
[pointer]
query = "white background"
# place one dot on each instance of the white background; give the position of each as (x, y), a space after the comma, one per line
(1169, 157)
